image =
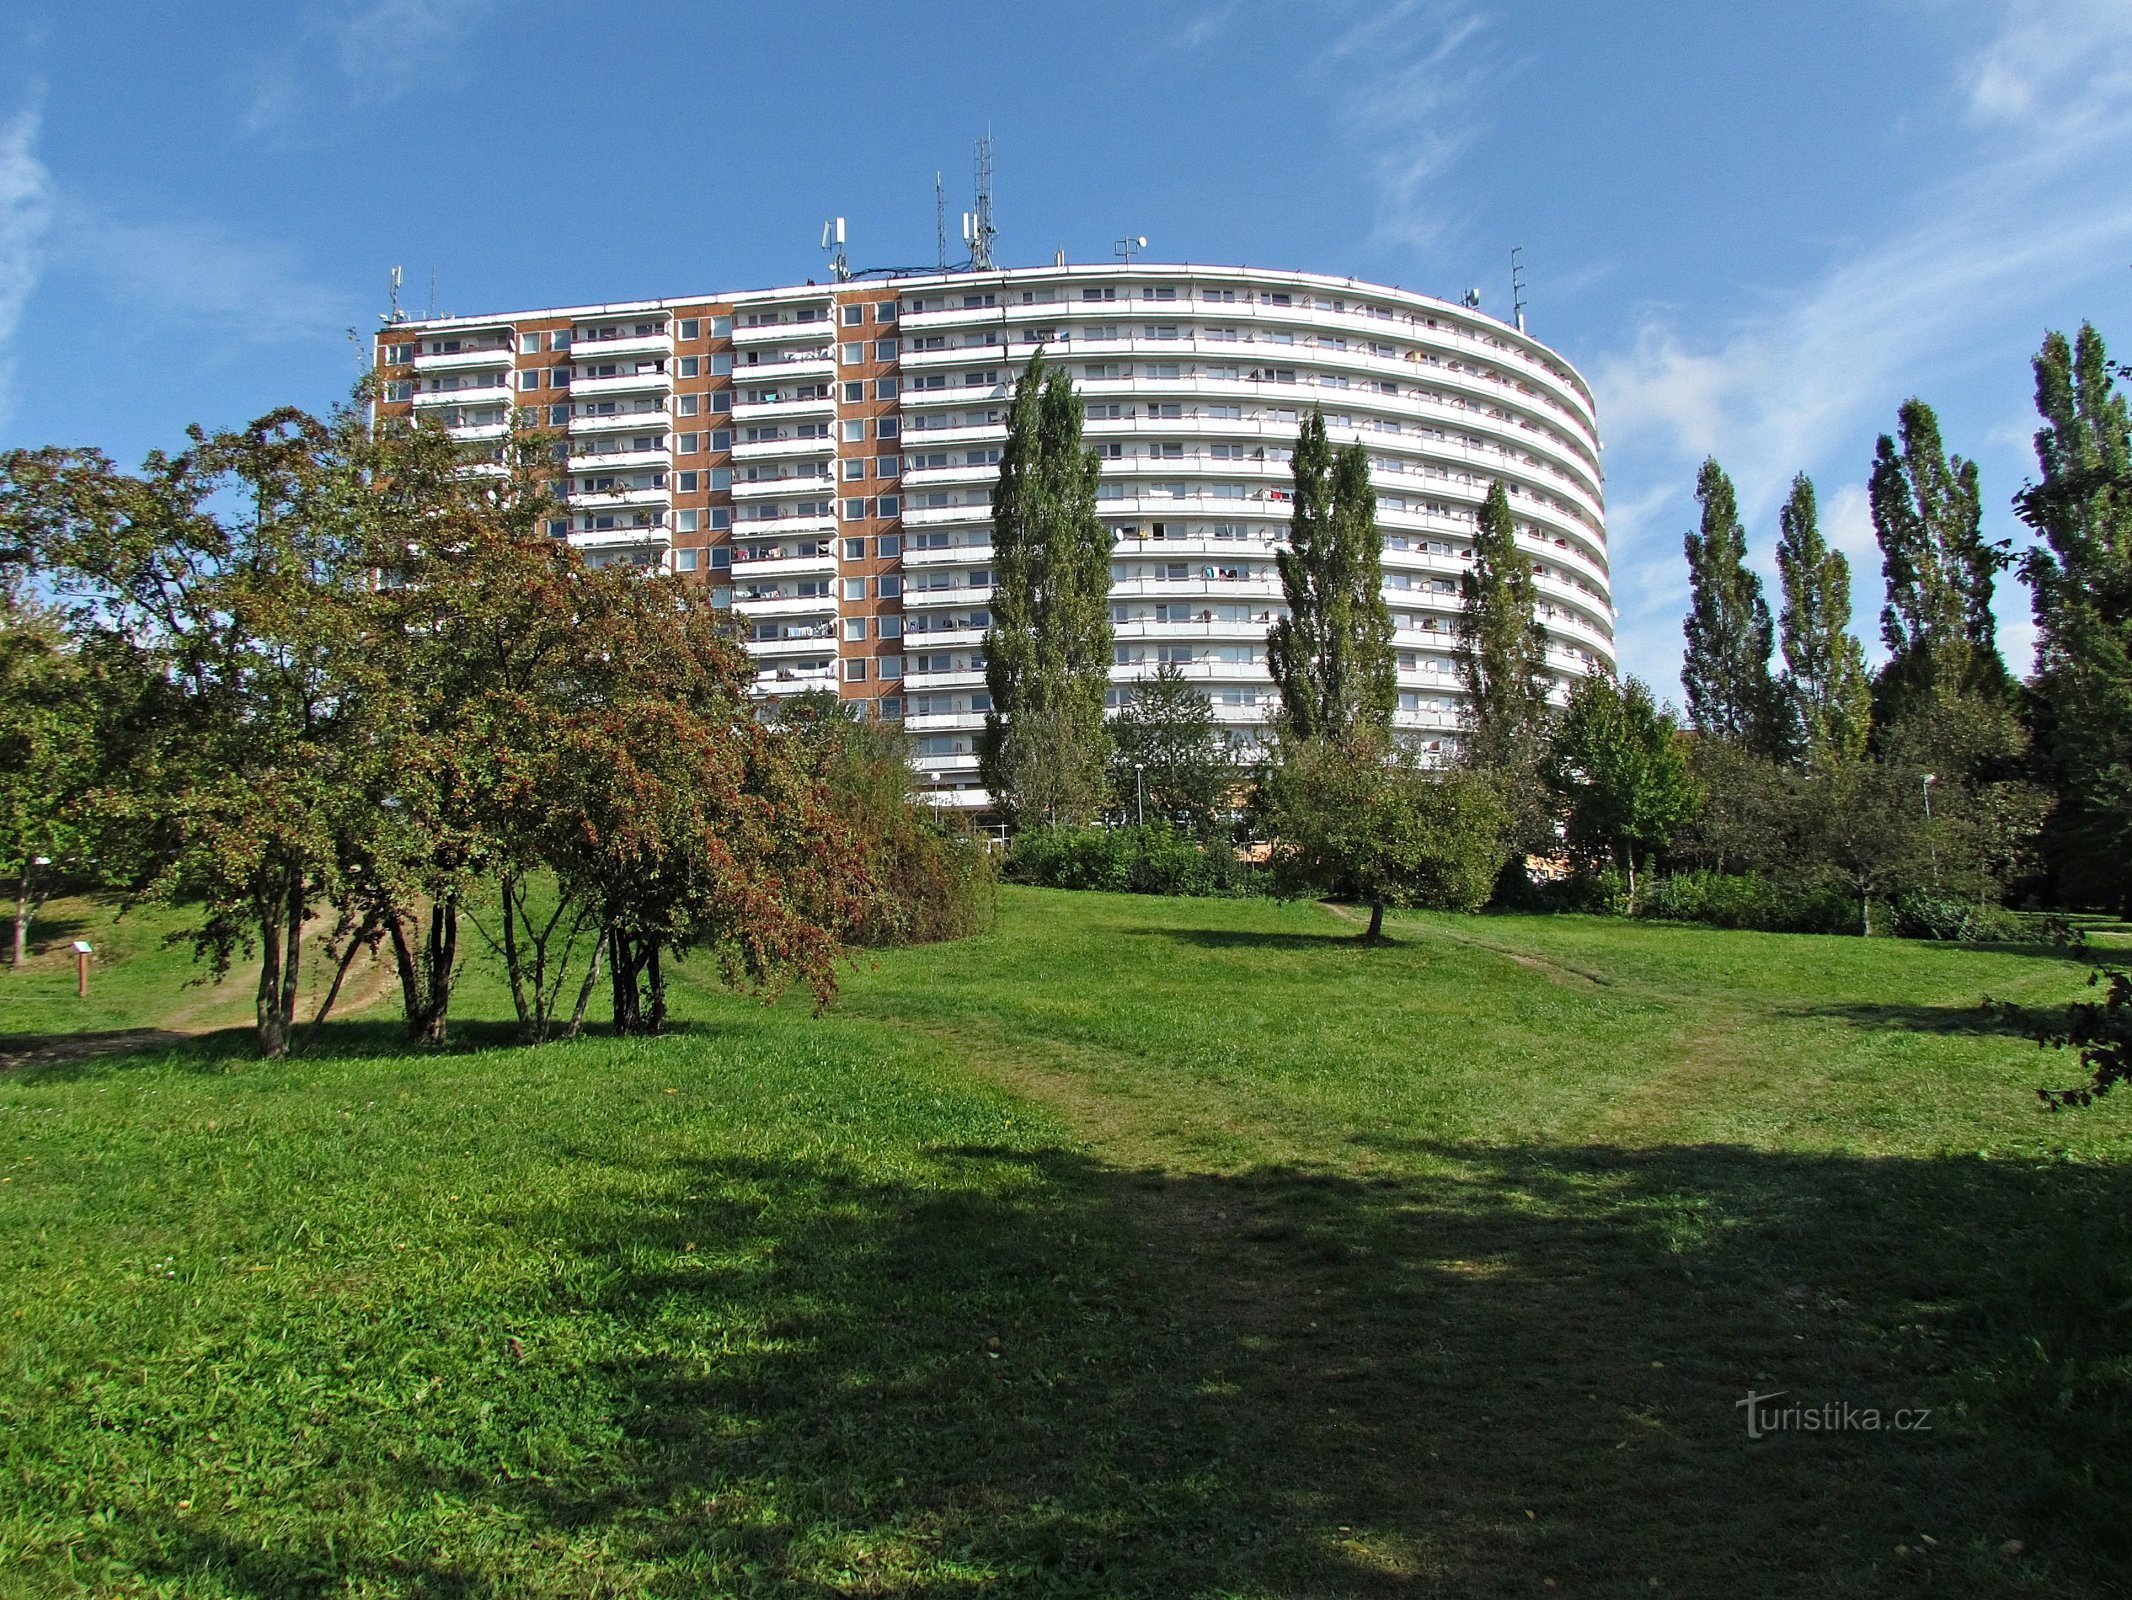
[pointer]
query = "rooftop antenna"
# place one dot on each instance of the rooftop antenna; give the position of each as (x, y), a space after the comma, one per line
(433, 293)
(833, 234)
(940, 219)
(1129, 247)
(1517, 286)
(982, 232)
(1472, 302)
(396, 314)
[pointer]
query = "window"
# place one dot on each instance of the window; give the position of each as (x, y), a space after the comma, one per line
(853, 315)
(685, 560)
(685, 521)
(851, 355)
(529, 380)
(855, 672)
(854, 430)
(888, 506)
(559, 339)
(559, 528)
(689, 366)
(889, 585)
(528, 343)
(855, 467)
(854, 510)
(888, 628)
(688, 443)
(691, 328)
(558, 416)
(884, 349)
(885, 311)
(854, 393)
(887, 466)
(891, 668)
(722, 400)
(855, 628)
(721, 517)
(685, 482)
(721, 438)
(721, 477)
(885, 389)
(887, 428)
(689, 403)
(854, 588)
(888, 547)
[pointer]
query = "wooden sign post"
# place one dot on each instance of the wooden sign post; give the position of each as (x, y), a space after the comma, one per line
(82, 951)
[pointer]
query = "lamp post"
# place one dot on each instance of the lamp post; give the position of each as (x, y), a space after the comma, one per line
(1139, 795)
(1933, 849)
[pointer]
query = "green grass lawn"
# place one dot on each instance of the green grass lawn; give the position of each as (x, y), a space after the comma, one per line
(1144, 1247)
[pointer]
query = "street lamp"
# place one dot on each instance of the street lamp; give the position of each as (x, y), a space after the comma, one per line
(1139, 795)
(1930, 779)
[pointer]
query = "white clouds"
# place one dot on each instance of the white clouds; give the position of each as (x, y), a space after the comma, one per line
(386, 44)
(1415, 76)
(25, 218)
(200, 277)
(2053, 65)
(1806, 379)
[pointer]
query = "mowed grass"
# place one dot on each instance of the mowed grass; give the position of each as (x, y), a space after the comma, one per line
(1144, 1247)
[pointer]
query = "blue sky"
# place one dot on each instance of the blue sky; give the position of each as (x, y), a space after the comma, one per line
(1755, 228)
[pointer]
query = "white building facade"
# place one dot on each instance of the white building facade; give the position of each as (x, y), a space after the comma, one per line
(823, 457)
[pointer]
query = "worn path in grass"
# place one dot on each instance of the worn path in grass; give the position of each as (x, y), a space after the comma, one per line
(1142, 1247)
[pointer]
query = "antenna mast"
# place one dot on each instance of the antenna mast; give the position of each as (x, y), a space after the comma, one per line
(395, 315)
(1517, 286)
(433, 293)
(982, 232)
(833, 235)
(940, 220)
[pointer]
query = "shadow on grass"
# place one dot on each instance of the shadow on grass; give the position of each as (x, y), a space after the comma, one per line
(1971, 1019)
(1018, 1371)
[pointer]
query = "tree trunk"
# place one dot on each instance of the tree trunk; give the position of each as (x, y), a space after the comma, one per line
(656, 1022)
(1628, 855)
(273, 1037)
(624, 963)
(425, 969)
(22, 917)
(1375, 931)
(513, 963)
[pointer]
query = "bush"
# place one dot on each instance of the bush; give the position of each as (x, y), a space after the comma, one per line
(1748, 900)
(1151, 860)
(1934, 914)
(937, 882)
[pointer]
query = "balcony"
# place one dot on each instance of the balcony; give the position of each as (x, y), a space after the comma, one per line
(786, 444)
(582, 461)
(464, 359)
(617, 498)
(813, 605)
(815, 640)
(467, 394)
(785, 483)
(784, 405)
(619, 421)
(790, 365)
(783, 562)
(654, 537)
(817, 327)
(795, 680)
(621, 383)
(630, 347)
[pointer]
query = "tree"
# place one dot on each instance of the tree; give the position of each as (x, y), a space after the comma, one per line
(1044, 751)
(215, 592)
(1726, 669)
(1927, 515)
(2080, 583)
(1360, 816)
(1617, 764)
(1825, 682)
(48, 758)
(1502, 664)
(1172, 758)
(1331, 656)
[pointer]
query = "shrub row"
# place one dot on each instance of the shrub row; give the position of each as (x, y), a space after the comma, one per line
(1154, 859)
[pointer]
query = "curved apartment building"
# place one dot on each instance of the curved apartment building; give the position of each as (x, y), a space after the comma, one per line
(823, 457)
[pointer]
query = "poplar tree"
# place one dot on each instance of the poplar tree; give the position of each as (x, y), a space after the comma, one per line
(1726, 673)
(1502, 662)
(1331, 656)
(1825, 680)
(2080, 580)
(1927, 515)
(1044, 751)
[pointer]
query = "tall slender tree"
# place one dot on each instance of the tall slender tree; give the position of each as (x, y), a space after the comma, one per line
(1502, 654)
(1331, 656)
(1619, 768)
(1044, 752)
(1928, 515)
(1825, 678)
(1726, 672)
(2080, 581)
